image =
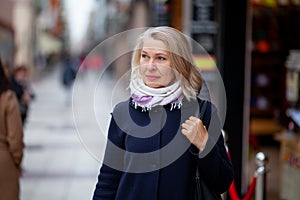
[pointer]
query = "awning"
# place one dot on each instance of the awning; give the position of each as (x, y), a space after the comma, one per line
(49, 44)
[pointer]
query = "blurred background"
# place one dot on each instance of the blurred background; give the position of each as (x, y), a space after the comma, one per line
(253, 44)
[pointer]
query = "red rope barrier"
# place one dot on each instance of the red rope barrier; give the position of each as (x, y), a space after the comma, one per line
(251, 189)
(233, 192)
(234, 195)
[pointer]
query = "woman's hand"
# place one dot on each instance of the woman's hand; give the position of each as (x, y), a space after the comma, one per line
(195, 131)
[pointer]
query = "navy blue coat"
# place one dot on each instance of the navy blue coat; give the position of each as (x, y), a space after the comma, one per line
(148, 158)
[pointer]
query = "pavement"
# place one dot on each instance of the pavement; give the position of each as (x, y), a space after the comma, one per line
(64, 137)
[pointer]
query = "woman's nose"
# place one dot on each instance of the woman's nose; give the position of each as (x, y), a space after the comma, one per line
(151, 64)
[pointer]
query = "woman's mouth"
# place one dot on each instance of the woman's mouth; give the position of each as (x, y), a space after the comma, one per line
(152, 78)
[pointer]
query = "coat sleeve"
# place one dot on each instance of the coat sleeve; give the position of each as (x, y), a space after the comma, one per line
(109, 177)
(14, 129)
(213, 162)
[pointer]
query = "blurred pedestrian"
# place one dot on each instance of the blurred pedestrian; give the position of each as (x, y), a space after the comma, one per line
(20, 84)
(11, 140)
(68, 74)
(157, 139)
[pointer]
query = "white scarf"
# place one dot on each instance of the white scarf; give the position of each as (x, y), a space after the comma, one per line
(147, 97)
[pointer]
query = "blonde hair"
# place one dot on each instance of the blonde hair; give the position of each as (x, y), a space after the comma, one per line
(181, 58)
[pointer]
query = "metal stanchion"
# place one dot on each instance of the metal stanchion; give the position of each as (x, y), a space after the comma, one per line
(258, 183)
(261, 173)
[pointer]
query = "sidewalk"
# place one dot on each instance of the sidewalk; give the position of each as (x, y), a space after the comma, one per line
(60, 160)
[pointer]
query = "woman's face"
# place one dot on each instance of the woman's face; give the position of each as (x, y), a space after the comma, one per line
(155, 66)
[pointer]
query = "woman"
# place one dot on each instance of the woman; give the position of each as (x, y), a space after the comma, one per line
(156, 139)
(11, 140)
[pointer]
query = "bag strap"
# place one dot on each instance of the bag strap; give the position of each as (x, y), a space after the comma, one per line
(203, 107)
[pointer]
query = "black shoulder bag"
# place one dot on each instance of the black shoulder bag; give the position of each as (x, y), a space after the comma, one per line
(202, 191)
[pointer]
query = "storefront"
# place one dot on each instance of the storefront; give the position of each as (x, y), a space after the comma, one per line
(6, 46)
(274, 103)
(275, 31)
(6, 33)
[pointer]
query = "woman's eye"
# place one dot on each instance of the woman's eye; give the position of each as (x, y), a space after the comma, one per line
(161, 58)
(144, 56)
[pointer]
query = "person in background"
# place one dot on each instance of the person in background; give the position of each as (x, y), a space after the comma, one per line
(68, 75)
(19, 82)
(156, 139)
(11, 140)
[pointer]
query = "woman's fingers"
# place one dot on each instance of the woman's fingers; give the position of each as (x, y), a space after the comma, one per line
(191, 124)
(195, 131)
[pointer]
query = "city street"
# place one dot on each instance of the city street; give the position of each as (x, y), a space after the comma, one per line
(250, 67)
